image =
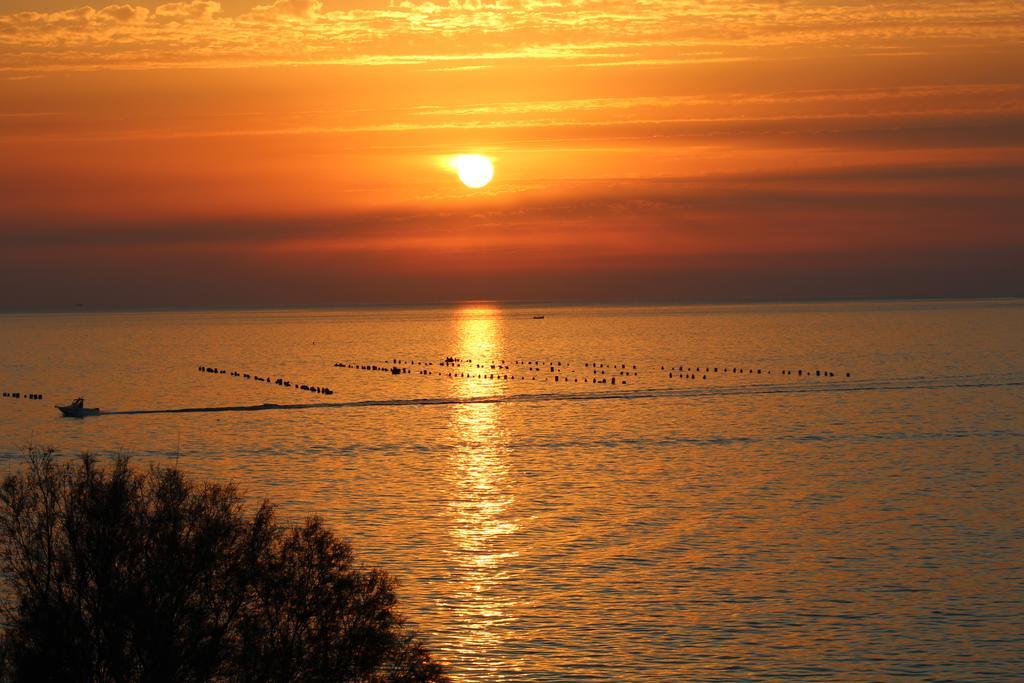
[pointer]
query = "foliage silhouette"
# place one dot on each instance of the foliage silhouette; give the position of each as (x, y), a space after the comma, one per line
(114, 574)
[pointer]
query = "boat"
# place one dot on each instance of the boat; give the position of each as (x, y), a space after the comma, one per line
(538, 317)
(77, 409)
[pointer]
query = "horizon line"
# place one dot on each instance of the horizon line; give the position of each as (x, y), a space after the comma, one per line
(510, 303)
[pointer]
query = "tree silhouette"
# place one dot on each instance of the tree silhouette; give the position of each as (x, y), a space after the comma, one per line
(119, 575)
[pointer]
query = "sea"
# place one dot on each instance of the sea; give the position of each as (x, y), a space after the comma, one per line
(814, 491)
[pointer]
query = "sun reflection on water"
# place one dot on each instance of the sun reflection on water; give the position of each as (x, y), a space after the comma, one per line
(482, 525)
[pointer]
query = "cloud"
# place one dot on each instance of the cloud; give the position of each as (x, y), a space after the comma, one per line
(926, 116)
(884, 229)
(604, 32)
(289, 9)
(884, 205)
(194, 11)
(126, 14)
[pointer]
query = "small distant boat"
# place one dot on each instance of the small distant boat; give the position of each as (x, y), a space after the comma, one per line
(77, 409)
(538, 317)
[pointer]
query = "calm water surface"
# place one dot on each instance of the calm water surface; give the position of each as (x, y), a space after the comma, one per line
(745, 526)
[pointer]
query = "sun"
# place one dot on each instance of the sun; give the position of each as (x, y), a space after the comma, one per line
(475, 170)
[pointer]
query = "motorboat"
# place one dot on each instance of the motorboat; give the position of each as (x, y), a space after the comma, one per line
(77, 409)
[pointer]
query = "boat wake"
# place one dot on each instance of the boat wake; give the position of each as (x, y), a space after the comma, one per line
(900, 384)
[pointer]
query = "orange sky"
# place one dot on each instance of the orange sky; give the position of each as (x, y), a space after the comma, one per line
(204, 153)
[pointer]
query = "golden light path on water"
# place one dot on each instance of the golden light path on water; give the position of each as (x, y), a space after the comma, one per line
(481, 501)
